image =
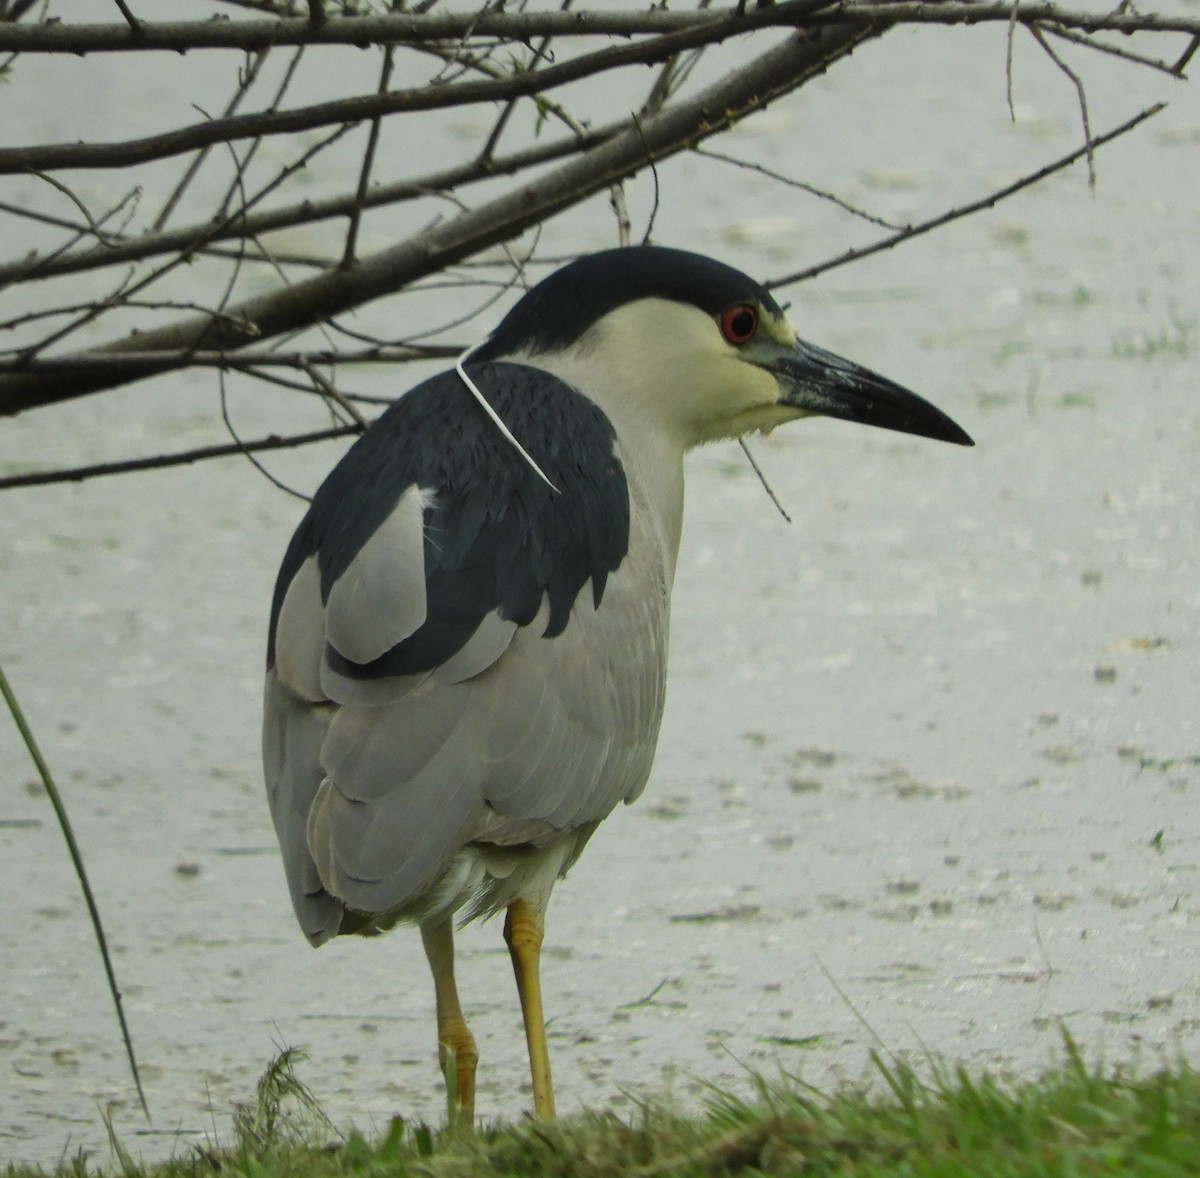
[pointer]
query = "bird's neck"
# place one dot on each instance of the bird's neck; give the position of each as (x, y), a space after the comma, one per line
(651, 453)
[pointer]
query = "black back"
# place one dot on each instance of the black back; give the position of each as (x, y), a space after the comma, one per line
(496, 537)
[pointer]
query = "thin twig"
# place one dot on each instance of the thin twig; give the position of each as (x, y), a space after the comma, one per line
(1037, 932)
(811, 189)
(280, 92)
(1008, 61)
(135, 25)
(79, 474)
(1120, 51)
(616, 199)
(306, 212)
(64, 823)
(1186, 56)
(93, 226)
(955, 214)
(152, 364)
(411, 28)
(55, 156)
(762, 478)
(239, 172)
(1077, 82)
(637, 122)
(364, 174)
(328, 389)
(247, 453)
(247, 80)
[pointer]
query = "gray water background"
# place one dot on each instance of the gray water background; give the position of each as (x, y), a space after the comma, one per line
(929, 773)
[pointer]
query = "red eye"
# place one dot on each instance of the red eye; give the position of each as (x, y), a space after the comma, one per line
(739, 323)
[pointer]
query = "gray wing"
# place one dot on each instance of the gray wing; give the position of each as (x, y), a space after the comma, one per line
(483, 662)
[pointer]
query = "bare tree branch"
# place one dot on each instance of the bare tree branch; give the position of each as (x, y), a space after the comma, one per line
(135, 26)
(54, 156)
(987, 202)
(155, 363)
(1080, 93)
(584, 163)
(1120, 51)
(247, 80)
(408, 28)
(78, 474)
(1186, 56)
(242, 223)
(778, 71)
(812, 190)
(364, 175)
(968, 12)
(393, 29)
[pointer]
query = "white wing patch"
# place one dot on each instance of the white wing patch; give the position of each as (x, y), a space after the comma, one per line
(380, 599)
(300, 635)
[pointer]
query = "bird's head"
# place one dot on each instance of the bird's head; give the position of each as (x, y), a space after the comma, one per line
(697, 347)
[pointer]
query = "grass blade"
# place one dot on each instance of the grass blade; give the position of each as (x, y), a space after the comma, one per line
(64, 823)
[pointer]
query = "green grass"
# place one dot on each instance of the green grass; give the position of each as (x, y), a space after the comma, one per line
(1076, 1121)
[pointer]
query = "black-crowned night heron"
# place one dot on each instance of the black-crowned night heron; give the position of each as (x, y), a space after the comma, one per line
(468, 639)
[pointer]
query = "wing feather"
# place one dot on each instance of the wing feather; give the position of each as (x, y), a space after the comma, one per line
(492, 637)
(378, 600)
(300, 635)
(365, 757)
(293, 731)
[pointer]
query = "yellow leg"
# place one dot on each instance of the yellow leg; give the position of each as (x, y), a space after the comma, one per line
(454, 1036)
(523, 932)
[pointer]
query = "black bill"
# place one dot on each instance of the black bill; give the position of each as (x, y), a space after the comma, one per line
(819, 381)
